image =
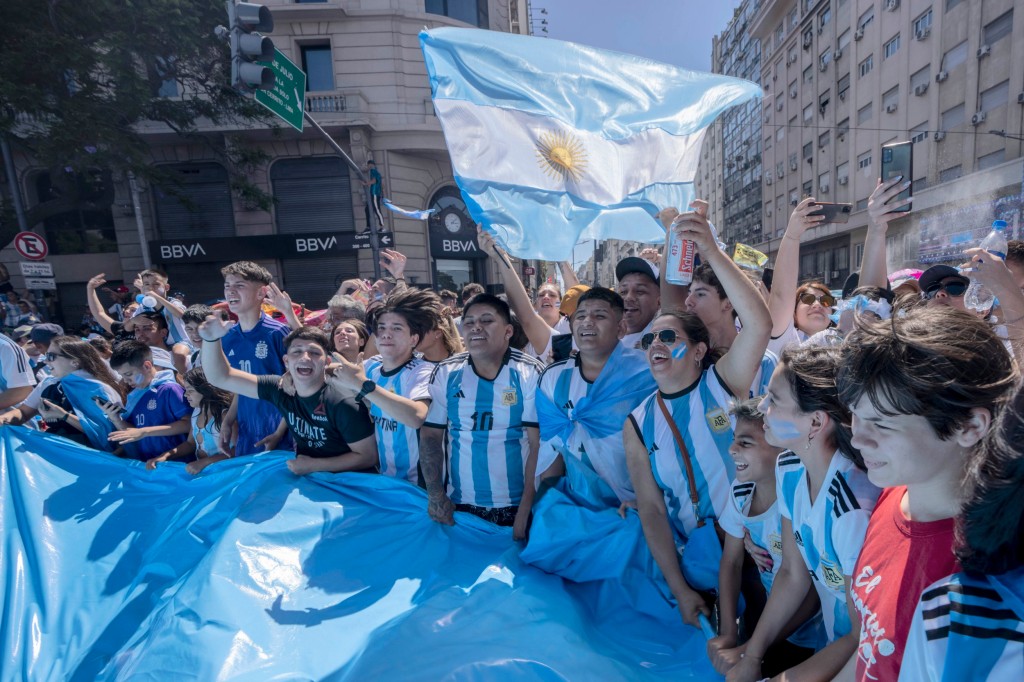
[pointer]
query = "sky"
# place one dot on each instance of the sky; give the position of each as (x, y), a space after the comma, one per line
(676, 32)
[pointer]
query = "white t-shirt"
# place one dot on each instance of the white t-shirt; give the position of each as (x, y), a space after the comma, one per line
(562, 327)
(15, 370)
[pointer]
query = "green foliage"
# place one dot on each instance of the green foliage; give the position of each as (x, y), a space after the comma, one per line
(79, 83)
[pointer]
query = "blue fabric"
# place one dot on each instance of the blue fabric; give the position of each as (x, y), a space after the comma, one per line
(409, 213)
(625, 382)
(246, 572)
(80, 392)
(631, 127)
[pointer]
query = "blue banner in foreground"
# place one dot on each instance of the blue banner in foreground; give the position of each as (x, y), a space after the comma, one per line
(246, 572)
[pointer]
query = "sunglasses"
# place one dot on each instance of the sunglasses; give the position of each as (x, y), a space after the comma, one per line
(954, 289)
(827, 300)
(665, 336)
(50, 357)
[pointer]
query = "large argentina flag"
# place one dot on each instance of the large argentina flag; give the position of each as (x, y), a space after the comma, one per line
(553, 143)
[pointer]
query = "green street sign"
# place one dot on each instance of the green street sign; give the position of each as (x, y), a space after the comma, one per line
(287, 99)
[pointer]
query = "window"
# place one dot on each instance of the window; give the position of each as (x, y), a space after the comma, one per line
(778, 102)
(864, 160)
(792, 162)
(950, 174)
(791, 55)
(950, 4)
(892, 47)
(993, 159)
(794, 197)
(842, 171)
(824, 138)
(319, 67)
(843, 87)
(825, 57)
(866, 18)
(865, 66)
(470, 11)
(844, 39)
(780, 204)
(891, 98)
(808, 38)
(793, 18)
(823, 101)
(858, 254)
(808, 113)
(952, 118)
(780, 32)
(954, 57)
(923, 22)
(861, 205)
(843, 127)
(809, 74)
(780, 134)
(807, 189)
(864, 114)
(779, 171)
(825, 17)
(767, 143)
(995, 96)
(998, 28)
(825, 181)
(808, 151)
(84, 228)
(919, 133)
(922, 77)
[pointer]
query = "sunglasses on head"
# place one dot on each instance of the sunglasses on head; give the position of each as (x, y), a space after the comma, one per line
(954, 289)
(665, 336)
(807, 298)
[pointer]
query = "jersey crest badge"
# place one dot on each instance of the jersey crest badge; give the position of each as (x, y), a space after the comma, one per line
(775, 544)
(832, 575)
(718, 421)
(151, 405)
(509, 397)
(261, 350)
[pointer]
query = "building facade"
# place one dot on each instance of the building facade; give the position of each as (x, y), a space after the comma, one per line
(842, 78)
(367, 87)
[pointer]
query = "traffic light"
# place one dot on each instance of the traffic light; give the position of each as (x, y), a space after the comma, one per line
(249, 47)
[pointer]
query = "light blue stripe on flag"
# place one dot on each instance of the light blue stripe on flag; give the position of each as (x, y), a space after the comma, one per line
(553, 142)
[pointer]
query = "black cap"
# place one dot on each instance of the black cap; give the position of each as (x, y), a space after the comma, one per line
(937, 273)
(633, 264)
(43, 333)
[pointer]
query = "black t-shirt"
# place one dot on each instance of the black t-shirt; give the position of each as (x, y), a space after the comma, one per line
(55, 394)
(321, 426)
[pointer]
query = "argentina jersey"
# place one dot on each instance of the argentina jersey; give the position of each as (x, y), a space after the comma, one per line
(701, 414)
(828, 530)
(968, 628)
(764, 374)
(766, 532)
(486, 422)
(259, 351)
(397, 444)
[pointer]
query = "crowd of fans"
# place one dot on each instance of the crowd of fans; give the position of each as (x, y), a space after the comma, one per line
(857, 463)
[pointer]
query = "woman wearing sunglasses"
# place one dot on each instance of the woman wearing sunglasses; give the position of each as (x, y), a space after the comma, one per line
(677, 440)
(70, 399)
(797, 312)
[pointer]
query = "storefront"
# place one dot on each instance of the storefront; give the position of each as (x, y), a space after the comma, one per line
(456, 257)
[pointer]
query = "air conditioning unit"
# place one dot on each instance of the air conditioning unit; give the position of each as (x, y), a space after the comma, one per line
(892, 5)
(807, 41)
(821, 29)
(768, 212)
(778, 107)
(843, 180)
(823, 189)
(794, 202)
(823, 67)
(984, 51)
(1020, 98)
(890, 108)
(792, 165)
(939, 135)
(842, 96)
(775, 77)
(921, 89)
(837, 55)
(780, 174)
(978, 118)
(767, 179)
(793, 93)
(941, 76)
(858, 34)
(923, 33)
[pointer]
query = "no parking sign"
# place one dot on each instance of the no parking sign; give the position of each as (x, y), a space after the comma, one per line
(30, 245)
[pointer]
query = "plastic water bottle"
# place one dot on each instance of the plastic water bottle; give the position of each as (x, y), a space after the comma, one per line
(978, 296)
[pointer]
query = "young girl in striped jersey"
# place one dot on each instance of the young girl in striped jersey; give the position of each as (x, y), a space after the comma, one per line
(970, 626)
(825, 500)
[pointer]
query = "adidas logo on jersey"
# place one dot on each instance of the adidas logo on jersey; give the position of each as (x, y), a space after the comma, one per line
(231, 353)
(459, 394)
(568, 405)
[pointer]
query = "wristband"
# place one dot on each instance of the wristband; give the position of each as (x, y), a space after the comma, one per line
(368, 387)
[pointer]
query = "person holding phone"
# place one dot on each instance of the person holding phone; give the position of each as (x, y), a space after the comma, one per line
(73, 400)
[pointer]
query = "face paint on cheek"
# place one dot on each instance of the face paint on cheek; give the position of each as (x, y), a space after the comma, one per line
(138, 379)
(679, 351)
(782, 429)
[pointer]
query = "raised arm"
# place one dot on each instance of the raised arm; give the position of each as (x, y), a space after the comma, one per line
(739, 365)
(874, 269)
(673, 296)
(537, 330)
(782, 300)
(569, 278)
(283, 302)
(218, 372)
(350, 377)
(95, 307)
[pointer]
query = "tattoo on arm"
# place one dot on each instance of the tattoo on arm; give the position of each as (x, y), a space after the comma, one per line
(432, 461)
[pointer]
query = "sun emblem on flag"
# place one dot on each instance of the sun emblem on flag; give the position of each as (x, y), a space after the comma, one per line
(562, 155)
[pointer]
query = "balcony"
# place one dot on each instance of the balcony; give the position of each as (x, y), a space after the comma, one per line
(325, 104)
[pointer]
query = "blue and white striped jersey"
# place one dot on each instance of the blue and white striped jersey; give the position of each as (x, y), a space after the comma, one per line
(701, 412)
(829, 530)
(15, 370)
(968, 628)
(398, 444)
(766, 532)
(764, 374)
(486, 422)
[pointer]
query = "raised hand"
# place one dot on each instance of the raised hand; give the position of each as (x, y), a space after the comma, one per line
(880, 211)
(96, 282)
(694, 226)
(800, 220)
(346, 375)
(277, 298)
(394, 262)
(51, 412)
(214, 328)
